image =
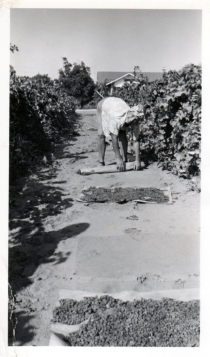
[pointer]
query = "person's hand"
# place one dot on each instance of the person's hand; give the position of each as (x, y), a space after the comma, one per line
(121, 165)
(137, 165)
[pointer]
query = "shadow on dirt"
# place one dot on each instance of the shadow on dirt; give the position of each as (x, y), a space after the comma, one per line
(39, 249)
(76, 157)
(31, 202)
(29, 245)
(23, 330)
(24, 259)
(30, 205)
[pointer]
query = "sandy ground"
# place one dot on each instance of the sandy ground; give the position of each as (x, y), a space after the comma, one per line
(57, 242)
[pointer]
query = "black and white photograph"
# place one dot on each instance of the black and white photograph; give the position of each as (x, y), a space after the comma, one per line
(104, 177)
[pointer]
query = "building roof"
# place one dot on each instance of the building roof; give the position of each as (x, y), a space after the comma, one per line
(118, 78)
(113, 76)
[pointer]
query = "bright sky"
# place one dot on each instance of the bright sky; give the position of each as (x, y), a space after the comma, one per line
(106, 40)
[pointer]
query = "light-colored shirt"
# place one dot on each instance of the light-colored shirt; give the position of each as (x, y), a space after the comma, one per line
(114, 116)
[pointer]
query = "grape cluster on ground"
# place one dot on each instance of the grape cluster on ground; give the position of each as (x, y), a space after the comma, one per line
(124, 194)
(145, 322)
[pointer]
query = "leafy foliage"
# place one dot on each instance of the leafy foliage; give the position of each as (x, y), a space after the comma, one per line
(76, 81)
(40, 113)
(170, 130)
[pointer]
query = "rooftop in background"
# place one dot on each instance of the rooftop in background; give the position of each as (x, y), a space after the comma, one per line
(110, 76)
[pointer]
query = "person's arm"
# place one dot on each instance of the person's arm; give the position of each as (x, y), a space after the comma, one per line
(116, 148)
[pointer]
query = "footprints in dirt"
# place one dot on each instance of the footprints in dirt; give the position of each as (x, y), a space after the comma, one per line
(148, 277)
(132, 230)
(59, 257)
(133, 218)
(134, 233)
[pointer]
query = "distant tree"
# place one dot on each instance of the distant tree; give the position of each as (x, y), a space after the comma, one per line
(76, 80)
(42, 79)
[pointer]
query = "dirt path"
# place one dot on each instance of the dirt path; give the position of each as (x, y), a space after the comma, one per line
(66, 244)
